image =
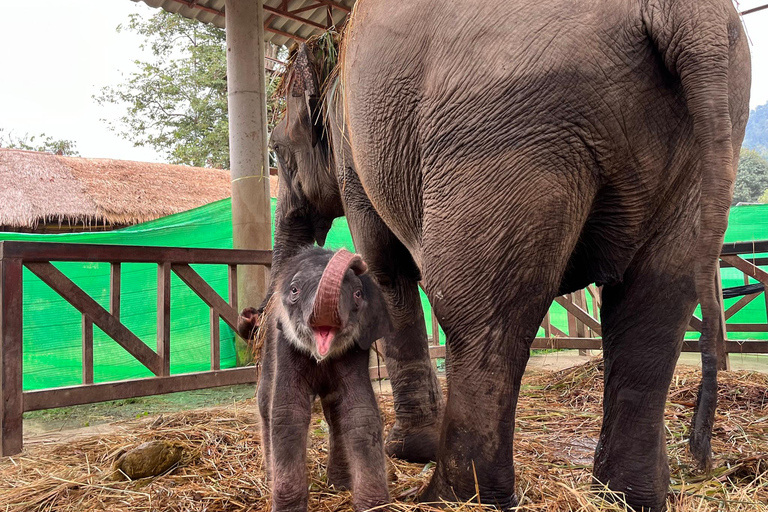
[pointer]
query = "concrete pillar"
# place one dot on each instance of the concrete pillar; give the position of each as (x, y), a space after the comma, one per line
(249, 167)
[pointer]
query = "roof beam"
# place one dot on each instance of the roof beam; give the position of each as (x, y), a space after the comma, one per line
(754, 9)
(193, 5)
(335, 5)
(291, 16)
(285, 34)
(311, 7)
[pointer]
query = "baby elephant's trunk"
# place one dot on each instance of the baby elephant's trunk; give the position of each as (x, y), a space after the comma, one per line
(325, 309)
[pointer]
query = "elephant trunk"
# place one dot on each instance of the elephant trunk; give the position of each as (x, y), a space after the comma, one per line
(293, 232)
(325, 308)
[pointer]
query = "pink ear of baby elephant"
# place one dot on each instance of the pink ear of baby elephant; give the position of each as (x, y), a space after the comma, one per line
(248, 323)
(359, 266)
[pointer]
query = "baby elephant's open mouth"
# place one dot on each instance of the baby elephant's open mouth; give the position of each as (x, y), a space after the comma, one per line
(324, 337)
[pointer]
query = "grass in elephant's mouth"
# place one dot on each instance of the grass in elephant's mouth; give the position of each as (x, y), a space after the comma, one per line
(558, 423)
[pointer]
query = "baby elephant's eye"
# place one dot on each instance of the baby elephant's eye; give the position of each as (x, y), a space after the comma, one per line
(294, 294)
(358, 297)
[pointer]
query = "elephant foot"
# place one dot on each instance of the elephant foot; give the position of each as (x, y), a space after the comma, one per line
(440, 493)
(339, 477)
(413, 444)
(630, 488)
(637, 495)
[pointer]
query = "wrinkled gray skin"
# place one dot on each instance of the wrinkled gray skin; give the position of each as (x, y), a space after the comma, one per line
(317, 184)
(509, 152)
(293, 373)
(521, 150)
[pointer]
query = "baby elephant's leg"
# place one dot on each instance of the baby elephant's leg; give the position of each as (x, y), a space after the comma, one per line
(355, 412)
(264, 397)
(337, 468)
(289, 423)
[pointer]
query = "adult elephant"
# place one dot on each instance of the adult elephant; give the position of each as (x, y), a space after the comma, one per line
(318, 183)
(506, 153)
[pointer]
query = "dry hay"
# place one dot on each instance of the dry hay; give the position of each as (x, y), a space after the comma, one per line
(557, 426)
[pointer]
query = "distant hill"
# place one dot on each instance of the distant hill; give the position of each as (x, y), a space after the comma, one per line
(756, 136)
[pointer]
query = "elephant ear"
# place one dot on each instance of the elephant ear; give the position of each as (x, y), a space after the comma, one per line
(305, 84)
(376, 322)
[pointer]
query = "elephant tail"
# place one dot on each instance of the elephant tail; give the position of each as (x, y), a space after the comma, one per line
(695, 39)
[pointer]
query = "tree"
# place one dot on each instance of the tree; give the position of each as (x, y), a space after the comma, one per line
(42, 143)
(756, 136)
(176, 102)
(752, 177)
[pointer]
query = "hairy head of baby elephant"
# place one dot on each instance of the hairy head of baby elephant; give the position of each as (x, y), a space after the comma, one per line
(329, 304)
(325, 314)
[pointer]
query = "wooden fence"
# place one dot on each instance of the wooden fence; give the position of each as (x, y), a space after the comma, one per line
(37, 257)
(584, 331)
(583, 326)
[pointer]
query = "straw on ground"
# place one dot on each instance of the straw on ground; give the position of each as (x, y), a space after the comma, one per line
(558, 423)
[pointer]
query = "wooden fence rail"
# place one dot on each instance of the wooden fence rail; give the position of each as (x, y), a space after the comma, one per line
(37, 258)
(584, 328)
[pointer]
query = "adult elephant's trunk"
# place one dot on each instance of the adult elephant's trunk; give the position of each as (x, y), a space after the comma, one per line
(325, 309)
(293, 232)
(697, 51)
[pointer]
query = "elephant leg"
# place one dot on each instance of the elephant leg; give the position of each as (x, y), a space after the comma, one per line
(354, 414)
(264, 400)
(418, 399)
(290, 412)
(487, 355)
(337, 468)
(644, 319)
(490, 294)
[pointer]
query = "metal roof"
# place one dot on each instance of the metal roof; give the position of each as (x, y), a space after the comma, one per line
(285, 20)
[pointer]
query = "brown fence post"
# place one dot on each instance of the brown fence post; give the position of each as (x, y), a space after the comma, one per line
(435, 329)
(11, 399)
(233, 287)
(164, 317)
(215, 341)
(435, 335)
(723, 359)
(547, 325)
(577, 329)
(87, 342)
(114, 290)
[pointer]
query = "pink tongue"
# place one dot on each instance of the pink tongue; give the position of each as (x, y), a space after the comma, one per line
(324, 337)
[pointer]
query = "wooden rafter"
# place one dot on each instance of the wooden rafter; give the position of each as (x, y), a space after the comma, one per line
(310, 7)
(291, 16)
(193, 5)
(336, 5)
(754, 9)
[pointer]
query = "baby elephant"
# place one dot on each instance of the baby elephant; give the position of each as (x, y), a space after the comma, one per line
(326, 313)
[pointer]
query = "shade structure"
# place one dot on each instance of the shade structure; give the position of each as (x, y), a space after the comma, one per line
(285, 21)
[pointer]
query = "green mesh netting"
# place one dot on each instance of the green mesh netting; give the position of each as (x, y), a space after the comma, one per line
(52, 353)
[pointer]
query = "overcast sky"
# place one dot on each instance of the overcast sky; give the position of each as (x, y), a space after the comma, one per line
(56, 54)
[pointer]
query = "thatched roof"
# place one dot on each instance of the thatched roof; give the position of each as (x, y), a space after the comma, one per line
(42, 188)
